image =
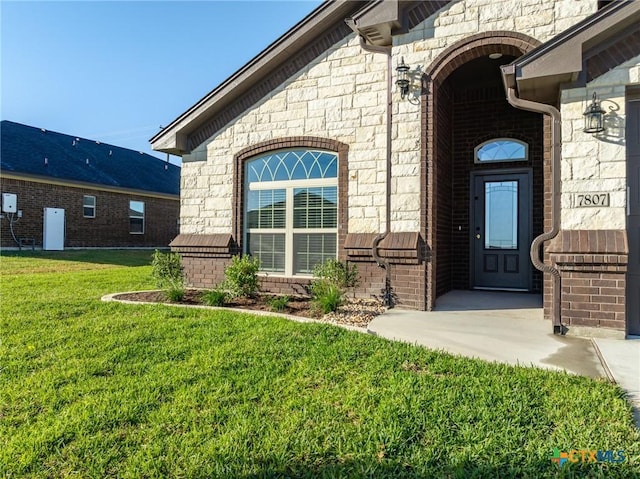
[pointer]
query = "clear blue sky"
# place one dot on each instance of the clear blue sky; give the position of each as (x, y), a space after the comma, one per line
(115, 71)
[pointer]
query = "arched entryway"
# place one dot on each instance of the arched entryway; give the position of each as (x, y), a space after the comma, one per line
(484, 170)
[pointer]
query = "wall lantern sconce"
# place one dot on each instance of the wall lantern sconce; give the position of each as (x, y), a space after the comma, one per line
(594, 116)
(403, 78)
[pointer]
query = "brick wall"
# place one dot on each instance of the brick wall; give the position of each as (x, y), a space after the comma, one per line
(403, 253)
(204, 270)
(480, 115)
(109, 228)
(593, 296)
(445, 213)
(473, 120)
(204, 258)
(593, 266)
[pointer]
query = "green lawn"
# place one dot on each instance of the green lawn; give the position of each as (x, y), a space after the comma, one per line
(92, 389)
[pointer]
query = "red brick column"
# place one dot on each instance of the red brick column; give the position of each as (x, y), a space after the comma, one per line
(593, 266)
(404, 254)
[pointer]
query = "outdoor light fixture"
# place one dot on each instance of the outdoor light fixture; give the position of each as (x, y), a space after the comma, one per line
(403, 78)
(594, 116)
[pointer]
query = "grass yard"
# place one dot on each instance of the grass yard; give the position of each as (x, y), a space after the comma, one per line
(91, 389)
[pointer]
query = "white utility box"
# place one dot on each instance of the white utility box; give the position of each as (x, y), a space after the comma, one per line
(9, 203)
(53, 229)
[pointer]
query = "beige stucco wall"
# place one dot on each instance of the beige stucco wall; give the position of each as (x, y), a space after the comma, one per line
(342, 96)
(596, 163)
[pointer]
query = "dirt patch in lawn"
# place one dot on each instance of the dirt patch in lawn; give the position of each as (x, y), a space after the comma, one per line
(354, 312)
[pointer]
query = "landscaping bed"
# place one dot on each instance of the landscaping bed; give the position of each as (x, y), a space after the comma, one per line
(354, 312)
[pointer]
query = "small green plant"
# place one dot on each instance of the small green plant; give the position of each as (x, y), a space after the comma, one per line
(175, 294)
(327, 298)
(343, 275)
(241, 277)
(166, 269)
(214, 297)
(167, 272)
(331, 280)
(278, 303)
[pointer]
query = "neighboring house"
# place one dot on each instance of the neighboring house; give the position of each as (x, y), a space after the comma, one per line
(74, 192)
(394, 116)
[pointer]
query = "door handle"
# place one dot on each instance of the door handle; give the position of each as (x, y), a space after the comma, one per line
(478, 236)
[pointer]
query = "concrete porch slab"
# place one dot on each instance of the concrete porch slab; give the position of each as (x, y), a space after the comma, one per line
(509, 328)
(492, 336)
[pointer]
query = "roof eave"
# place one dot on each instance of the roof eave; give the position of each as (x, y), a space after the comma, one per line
(539, 74)
(49, 180)
(379, 21)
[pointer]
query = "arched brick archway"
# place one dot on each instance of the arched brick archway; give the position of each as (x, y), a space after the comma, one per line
(437, 127)
(474, 46)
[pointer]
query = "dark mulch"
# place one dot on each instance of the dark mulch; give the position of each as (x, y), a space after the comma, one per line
(298, 306)
(355, 312)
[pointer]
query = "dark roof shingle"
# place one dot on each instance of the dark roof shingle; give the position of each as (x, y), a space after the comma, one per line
(35, 151)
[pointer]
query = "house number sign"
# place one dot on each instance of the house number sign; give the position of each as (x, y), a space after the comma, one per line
(585, 200)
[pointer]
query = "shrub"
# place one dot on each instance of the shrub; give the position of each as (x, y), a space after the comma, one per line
(214, 297)
(327, 297)
(241, 277)
(331, 280)
(174, 294)
(166, 269)
(338, 273)
(278, 303)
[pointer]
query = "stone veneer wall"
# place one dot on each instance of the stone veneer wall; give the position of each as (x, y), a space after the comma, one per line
(596, 163)
(591, 252)
(341, 96)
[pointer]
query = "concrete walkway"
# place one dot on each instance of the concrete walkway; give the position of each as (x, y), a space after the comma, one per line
(509, 328)
(622, 358)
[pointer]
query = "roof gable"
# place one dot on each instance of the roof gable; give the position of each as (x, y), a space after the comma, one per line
(38, 152)
(306, 41)
(284, 57)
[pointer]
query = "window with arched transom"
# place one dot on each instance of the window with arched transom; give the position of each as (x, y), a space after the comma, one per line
(291, 209)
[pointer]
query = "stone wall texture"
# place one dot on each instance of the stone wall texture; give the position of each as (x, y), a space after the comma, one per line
(596, 163)
(342, 96)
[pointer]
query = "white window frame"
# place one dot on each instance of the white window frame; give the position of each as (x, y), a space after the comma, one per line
(493, 140)
(137, 217)
(289, 231)
(85, 205)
